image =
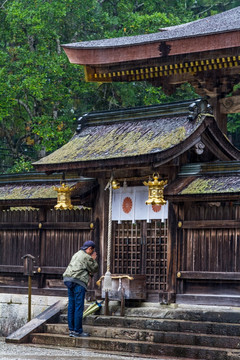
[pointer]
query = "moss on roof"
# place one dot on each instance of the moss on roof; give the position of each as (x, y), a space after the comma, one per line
(123, 139)
(19, 192)
(213, 185)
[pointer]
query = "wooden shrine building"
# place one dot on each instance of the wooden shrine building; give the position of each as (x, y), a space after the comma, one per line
(188, 249)
(200, 243)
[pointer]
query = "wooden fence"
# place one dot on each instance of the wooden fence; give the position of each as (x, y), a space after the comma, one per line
(209, 249)
(51, 236)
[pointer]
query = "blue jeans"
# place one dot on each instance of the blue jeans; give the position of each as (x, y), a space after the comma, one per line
(76, 296)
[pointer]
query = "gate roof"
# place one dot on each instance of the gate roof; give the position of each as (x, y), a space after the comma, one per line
(139, 136)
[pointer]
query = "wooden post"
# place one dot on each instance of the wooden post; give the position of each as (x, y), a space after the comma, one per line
(28, 261)
(106, 307)
(172, 253)
(122, 301)
(220, 117)
(29, 297)
(100, 216)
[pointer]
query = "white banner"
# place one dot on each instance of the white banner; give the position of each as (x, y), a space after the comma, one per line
(129, 204)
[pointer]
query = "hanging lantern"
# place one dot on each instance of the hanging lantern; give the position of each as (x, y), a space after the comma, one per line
(155, 191)
(115, 185)
(63, 197)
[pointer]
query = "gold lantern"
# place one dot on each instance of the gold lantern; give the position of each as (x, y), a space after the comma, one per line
(115, 185)
(63, 197)
(155, 191)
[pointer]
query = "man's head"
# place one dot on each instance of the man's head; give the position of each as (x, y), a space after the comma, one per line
(88, 247)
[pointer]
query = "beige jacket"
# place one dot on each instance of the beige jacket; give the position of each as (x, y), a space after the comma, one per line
(80, 268)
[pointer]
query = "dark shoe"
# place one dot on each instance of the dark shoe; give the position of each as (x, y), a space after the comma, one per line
(71, 333)
(76, 334)
(84, 334)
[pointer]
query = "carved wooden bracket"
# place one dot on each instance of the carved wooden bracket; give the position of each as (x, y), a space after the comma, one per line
(230, 105)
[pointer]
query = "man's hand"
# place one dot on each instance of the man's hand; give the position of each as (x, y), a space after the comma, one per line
(94, 255)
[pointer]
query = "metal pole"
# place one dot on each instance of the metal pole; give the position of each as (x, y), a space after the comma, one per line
(29, 296)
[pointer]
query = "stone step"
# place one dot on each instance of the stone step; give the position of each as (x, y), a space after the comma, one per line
(164, 312)
(181, 338)
(137, 347)
(201, 327)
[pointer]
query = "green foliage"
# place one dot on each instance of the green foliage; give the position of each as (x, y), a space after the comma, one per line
(20, 166)
(203, 8)
(41, 89)
(42, 94)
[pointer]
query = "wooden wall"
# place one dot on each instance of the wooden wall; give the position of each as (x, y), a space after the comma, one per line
(208, 248)
(51, 236)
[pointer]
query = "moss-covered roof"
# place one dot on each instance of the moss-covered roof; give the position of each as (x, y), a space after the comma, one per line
(32, 188)
(115, 139)
(19, 192)
(212, 185)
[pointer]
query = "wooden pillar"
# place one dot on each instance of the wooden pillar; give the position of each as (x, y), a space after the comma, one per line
(220, 117)
(41, 239)
(100, 216)
(172, 252)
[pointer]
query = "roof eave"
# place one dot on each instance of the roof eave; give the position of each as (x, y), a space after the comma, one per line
(103, 55)
(153, 159)
(202, 197)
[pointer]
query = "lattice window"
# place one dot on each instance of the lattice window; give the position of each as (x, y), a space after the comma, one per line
(127, 248)
(141, 248)
(156, 255)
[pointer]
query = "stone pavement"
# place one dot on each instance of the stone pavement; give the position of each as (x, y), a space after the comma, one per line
(33, 352)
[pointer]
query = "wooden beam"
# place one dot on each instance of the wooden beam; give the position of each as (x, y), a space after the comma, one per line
(44, 269)
(208, 275)
(10, 289)
(211, 224)
(230, 105)
(46, 225)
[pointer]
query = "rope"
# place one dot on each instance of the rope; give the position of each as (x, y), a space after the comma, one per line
(114, 277)
(107, 285)
(203, 114)
(109, 228)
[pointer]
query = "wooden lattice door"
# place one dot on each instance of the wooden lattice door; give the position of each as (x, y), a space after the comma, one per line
(156, 256)
(141, 248)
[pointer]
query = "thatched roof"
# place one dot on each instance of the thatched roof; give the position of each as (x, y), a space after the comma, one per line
(218, 179)
(135, 136)
(37, 189)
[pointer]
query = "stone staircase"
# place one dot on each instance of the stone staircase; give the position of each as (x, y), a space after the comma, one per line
(182, 332)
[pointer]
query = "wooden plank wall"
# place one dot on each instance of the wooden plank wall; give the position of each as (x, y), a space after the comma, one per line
(209, 248)
(51, 236)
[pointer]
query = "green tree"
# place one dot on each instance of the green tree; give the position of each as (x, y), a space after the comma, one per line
(43, 94)
(41, 91)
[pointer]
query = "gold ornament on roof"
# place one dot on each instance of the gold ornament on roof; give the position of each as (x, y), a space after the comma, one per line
(63, 197)
(155, 191)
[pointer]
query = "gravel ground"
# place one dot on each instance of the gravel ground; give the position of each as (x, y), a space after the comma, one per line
(33, 352)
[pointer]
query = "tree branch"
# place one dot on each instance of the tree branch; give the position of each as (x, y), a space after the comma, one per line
(2, 6)
(25, 107)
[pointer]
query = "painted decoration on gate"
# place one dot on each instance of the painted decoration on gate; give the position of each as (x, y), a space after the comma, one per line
(129, 204)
